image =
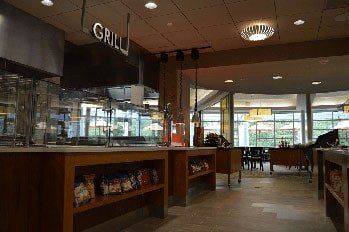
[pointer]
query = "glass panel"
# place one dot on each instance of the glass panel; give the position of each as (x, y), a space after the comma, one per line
(322, 116)
(284, 117)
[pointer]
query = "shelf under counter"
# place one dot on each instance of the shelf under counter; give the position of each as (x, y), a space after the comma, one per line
(198, 174)
(100, 201)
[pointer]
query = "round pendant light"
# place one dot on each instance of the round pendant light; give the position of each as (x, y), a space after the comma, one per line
(47, 2)
(257, 32)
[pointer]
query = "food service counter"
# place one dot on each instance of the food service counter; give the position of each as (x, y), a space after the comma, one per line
(336, 173)
(287, 156)
(39, 186)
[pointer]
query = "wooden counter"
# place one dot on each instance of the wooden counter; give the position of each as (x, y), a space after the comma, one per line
(318, 174)
(228, 161)
(37, 189)
(337, 207)
(287, 156)
(183, 186)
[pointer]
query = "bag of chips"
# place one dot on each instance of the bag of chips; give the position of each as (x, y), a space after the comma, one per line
(126, 184)
(90, 184)
(154, 177)
(133, 179)
(81, 194)
(144, 178)
(115, 186)
(104, 186)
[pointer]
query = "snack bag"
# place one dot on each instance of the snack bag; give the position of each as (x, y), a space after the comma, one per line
(126, 184)
(146, 180)
(154, 177)
(133, 180)
(90, 184)
(115, 186)
(104, 186)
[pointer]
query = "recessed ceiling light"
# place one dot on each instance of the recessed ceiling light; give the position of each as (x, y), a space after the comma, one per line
(47, 2)
(299, 22)
(257, 32)
(151, 5)
(277, 77)
(169, 24)
(228, 81)
(316, 83)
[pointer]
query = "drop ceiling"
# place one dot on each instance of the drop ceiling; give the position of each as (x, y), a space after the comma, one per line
(197, 22)
(298, 76)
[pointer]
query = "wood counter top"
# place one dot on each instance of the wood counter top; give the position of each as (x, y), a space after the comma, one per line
(95, 149)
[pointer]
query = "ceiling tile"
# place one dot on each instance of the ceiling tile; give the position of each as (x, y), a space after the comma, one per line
(177, 20)
(196, 4)
(219, 32)
(205, 17)
(164, 7)
(333, 32)
(252, 10)
(35, 8)
(185, 39)
(57, 23)
(286, 22)
(91, 2)
(152, 41)
(73, 20)
(329, 17)
(139, 28)
(287, 7)
(226, 44)
(298, 35)
(112, 13)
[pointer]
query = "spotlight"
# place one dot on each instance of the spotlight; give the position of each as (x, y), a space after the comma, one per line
(194, 54)
(164, 58)
(179, 56)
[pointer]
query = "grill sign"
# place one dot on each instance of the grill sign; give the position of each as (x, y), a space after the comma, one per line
(110, 38)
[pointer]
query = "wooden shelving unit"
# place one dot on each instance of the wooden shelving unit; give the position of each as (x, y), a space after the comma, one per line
(337, 208)
(228, 161)
(100, 201)
(335, 195)
(203, 173)
(183, 186)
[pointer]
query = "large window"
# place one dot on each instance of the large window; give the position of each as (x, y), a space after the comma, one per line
(268, 131)
(325, 121)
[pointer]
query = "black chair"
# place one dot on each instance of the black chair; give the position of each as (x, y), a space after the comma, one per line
(245, 157)
(256, 155)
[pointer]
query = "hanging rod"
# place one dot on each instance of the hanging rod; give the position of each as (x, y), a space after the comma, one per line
(183, 50)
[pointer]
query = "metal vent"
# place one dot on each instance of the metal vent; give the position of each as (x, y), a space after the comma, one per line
(333, 4)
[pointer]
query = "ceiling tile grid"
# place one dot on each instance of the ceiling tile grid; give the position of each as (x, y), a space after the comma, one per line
(177, 24)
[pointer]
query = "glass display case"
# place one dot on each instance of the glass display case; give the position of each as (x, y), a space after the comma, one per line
(42, 113)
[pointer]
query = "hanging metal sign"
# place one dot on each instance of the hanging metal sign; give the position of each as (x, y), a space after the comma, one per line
(112, 39)
(106, 36)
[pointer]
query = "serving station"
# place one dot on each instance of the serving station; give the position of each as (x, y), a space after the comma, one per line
(336, 169)
(229, 162)
(191, 171)
(287, 156)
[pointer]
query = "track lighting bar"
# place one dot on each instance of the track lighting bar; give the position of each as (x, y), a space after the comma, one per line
(183, 50)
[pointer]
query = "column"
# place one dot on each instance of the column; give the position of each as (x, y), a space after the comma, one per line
(309, 117)
(231, 118)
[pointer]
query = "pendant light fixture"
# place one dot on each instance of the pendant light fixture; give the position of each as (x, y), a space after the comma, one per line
(164, 60)
(180, 59)
(196, 116)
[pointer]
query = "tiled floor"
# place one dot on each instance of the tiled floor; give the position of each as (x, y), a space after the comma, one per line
(258, 204)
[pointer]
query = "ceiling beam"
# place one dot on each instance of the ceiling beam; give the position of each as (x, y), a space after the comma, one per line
(280, 52)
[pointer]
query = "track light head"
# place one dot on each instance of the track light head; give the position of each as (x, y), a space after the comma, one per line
(179, 56)
(194, 54)
(164, 58)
